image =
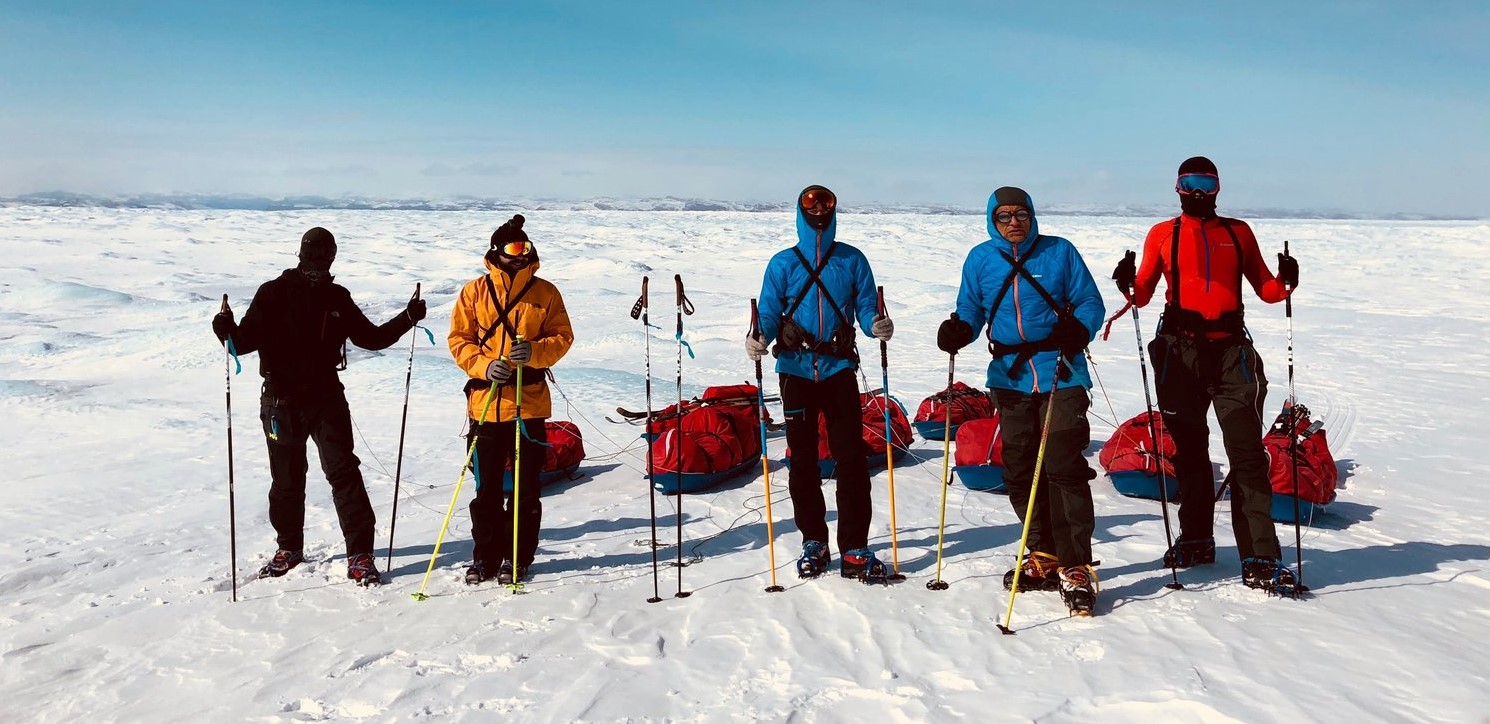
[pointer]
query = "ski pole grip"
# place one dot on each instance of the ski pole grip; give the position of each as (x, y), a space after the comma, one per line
(678, 282)
(225, 303)
(880, 295)
(417, 285)
(641, 301)
(755, 319)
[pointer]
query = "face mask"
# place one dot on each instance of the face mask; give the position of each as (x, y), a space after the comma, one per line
(1199, 205)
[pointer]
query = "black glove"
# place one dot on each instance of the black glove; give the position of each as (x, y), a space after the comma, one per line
(954, 334)
(1071, 335)
(223, 326)
(1126, 273)
(416, 310)
(1288, 271)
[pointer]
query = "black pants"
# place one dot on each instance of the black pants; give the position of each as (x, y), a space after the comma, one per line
(1063, 518)
(327, 421)
(491, 509)
(837, 400)
(1192, 375)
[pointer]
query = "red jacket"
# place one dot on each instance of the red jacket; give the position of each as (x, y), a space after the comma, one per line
(1209, 280)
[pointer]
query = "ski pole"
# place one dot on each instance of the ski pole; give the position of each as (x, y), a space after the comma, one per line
(684, 307)
(889, 447)
(517, 465)
(403, 425)
(641, 309)
(937, 584)
(1029, 508)
(760, 402)
(227, 373)
(491, 395)
(1293, 443)
(1148, 401)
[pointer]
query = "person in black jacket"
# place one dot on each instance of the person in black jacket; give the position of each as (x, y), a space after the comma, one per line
(300, 324)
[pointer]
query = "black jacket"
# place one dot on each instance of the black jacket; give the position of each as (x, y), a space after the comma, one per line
(300, 331)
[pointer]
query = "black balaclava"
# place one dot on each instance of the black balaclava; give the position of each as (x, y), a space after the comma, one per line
(1201, 206)
(317, 251)
(507, 233)
(819, 222)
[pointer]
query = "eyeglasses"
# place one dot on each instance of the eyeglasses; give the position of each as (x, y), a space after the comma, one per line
(516, 248)
(1004, 217)
(818, 201)
(1198, 183)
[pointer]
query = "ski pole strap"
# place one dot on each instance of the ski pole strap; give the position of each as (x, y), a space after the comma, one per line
(1107, 328)
(427, 333)
(234, 352)
(523, 428)
(684, 343)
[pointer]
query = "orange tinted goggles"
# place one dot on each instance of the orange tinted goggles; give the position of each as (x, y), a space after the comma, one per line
(818, 201)
(515, 248)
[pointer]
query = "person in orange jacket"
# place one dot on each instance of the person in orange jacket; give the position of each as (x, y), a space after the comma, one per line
(505, 320)
(1203, 357)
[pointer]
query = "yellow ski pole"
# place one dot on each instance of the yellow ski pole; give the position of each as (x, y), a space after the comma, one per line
(937, 584)
(760, 405)
(491, 394)
(517, 467)
(1029, 508)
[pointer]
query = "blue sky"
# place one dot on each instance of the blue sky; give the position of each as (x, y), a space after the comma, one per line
(1365, 106)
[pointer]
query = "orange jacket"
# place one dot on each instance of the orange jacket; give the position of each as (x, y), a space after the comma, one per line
(1209, 281)
(539, 318)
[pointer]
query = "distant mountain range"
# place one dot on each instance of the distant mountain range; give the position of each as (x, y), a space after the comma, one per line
(667, 203)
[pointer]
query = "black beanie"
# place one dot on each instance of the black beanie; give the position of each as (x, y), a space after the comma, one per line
(1198, 164)
(509, 232)
(1011, 196)
(317, 248)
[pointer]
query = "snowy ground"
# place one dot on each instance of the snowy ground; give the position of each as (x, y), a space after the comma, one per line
(114, 588)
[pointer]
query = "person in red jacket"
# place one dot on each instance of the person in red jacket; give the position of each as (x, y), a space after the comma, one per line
(1203, 357)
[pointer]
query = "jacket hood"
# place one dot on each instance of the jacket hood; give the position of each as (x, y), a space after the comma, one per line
(808, 239)
(993, 230)
(505, 280)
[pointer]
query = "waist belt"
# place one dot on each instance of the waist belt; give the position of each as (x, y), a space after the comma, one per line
(1024, 352)
(793, 338)
(531, 376)
(1192, 324)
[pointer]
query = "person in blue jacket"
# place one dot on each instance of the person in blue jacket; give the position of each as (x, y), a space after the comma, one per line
(1041, 308)
(813, 294)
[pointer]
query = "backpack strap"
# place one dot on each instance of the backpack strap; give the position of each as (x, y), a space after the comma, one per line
(504, 313)
(1017, 268)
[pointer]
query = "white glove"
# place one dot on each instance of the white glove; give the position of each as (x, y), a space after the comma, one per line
(520, 353)
(755, 348)
(498, 372)
(882, 329)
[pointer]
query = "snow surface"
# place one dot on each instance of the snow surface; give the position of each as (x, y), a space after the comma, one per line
(114, 588)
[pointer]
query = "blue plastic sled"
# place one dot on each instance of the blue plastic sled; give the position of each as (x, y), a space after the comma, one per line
(1283, 509)
(828, 468)
(1143, 484)
(981, 477)
(545, 478)
(667, 483)
(934, 429)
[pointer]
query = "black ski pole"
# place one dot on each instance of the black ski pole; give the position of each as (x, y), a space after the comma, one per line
(640, 311)
(760, 402)
(684, 307)
(227, 373)
(1293, 444)
(1148, 402)
(403, 425)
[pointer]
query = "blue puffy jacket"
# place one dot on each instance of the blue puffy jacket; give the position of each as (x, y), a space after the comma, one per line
(1023, 315)
(849, 281)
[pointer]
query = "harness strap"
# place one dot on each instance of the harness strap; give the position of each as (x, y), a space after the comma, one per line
(815, 277)
(503, 312)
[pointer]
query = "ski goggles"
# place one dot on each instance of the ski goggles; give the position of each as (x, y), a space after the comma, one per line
(516, 248)
(1198, 183)
(1022, 216)
(818, 201)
